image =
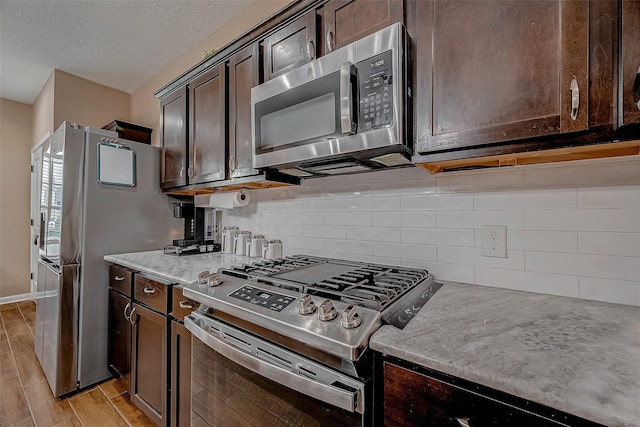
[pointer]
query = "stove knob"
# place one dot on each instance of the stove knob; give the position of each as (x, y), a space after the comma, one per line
(350, 318)
(326, 311)
(306, 305)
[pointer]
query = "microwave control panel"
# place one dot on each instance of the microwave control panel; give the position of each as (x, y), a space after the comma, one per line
(376, 92)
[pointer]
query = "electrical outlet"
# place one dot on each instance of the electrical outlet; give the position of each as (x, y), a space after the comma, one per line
(494, 241)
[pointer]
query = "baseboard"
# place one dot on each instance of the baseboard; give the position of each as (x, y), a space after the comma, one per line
(15, 298)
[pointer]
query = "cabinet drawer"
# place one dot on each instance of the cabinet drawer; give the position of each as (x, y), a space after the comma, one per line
(152, 293)
(120, 279)
(181, 305)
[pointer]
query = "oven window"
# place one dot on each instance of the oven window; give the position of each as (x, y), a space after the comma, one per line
(309, 119)
(225, 393)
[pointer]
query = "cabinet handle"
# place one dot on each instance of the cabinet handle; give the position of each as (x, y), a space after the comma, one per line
(311, 50)
(132, 319)
(636, 89)
(118, 278)
(190, 172)
(329, 40)
(149, 291)
(126, 307)
(464, 422)
(182, 172)
(575, 99)
(233, 163)
(185, 305)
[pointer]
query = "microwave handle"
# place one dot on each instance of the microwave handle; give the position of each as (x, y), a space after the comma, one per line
(346, 102)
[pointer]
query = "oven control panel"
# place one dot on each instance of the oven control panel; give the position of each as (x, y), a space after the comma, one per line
(260, 297)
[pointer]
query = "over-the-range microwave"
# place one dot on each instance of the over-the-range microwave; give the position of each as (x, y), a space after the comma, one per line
(345, 112)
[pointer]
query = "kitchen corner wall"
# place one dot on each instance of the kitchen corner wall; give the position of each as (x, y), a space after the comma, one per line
(573, 229)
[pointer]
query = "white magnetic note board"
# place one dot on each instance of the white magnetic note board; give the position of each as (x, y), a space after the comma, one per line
(116, 165)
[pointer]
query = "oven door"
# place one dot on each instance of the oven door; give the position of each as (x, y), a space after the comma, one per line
(305, 113)
(239, 379)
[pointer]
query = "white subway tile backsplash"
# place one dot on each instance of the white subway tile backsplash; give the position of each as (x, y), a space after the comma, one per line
(438, 236)
(348, 218)
(476, 219)
(623, 244)
(526, 200)
(615, 291)
(405, 188)
(622, 220)
(355, 190)
(350, 246)
(574, 229)
(432, 202)
(405, 251)
(476, 181)
(542, 241)
(325, 231)
(610, 197)
(374, 204)
(602, 266)
(307, 218)
(472, 256)
(544, 283)
(376, 234)
(324, 205)
(404, 219)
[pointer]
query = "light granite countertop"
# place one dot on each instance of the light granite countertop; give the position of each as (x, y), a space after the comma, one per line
(177, 269)
(581, 357)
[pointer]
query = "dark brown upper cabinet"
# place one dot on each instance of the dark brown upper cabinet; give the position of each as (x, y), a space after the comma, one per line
(494, 71)
(345, 21)
(243, 75)
(173, 137)
(629, 110)
(291, 46)
(208, 126)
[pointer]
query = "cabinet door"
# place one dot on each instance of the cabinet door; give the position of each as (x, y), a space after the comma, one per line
(243, 75)
(173, 138)
(207, 126)
(629, 111)
(346, 21)
(290, 47)
(413, 399)
(496, 70)
(148, 382)
(119, 334)
(180, 375)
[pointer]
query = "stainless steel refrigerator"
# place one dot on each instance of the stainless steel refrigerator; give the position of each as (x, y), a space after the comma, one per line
(98, 195)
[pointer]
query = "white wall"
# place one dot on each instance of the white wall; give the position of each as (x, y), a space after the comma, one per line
(573, 229)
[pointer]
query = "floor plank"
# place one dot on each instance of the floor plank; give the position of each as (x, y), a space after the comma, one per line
(13, 405)
(8, 368)
(27, 422)
(114, 387)
(130, 412)
(21, 345)
(94, 409)
(46, 409)
(4, 343)
(8, 306)
(71, 422)
(29, 369)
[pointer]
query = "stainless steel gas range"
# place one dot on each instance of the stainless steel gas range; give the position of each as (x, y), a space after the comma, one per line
(287, 339)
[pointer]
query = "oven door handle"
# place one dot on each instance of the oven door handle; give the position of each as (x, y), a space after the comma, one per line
(345, 399)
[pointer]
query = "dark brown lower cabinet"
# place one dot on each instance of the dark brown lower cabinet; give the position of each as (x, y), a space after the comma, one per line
(119, 334)
(180, 375)
(413, 397)
(148, 384)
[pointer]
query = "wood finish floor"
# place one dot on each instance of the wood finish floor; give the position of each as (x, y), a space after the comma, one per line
(25, 396)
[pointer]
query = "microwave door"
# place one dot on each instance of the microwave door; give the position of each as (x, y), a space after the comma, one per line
(319, 110)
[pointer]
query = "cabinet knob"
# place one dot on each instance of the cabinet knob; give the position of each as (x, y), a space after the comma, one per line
(636, 89)
(149, 291)
(330, 43)
(575, 99)
(311, 50)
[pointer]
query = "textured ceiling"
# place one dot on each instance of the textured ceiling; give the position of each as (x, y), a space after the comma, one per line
(120, 44)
